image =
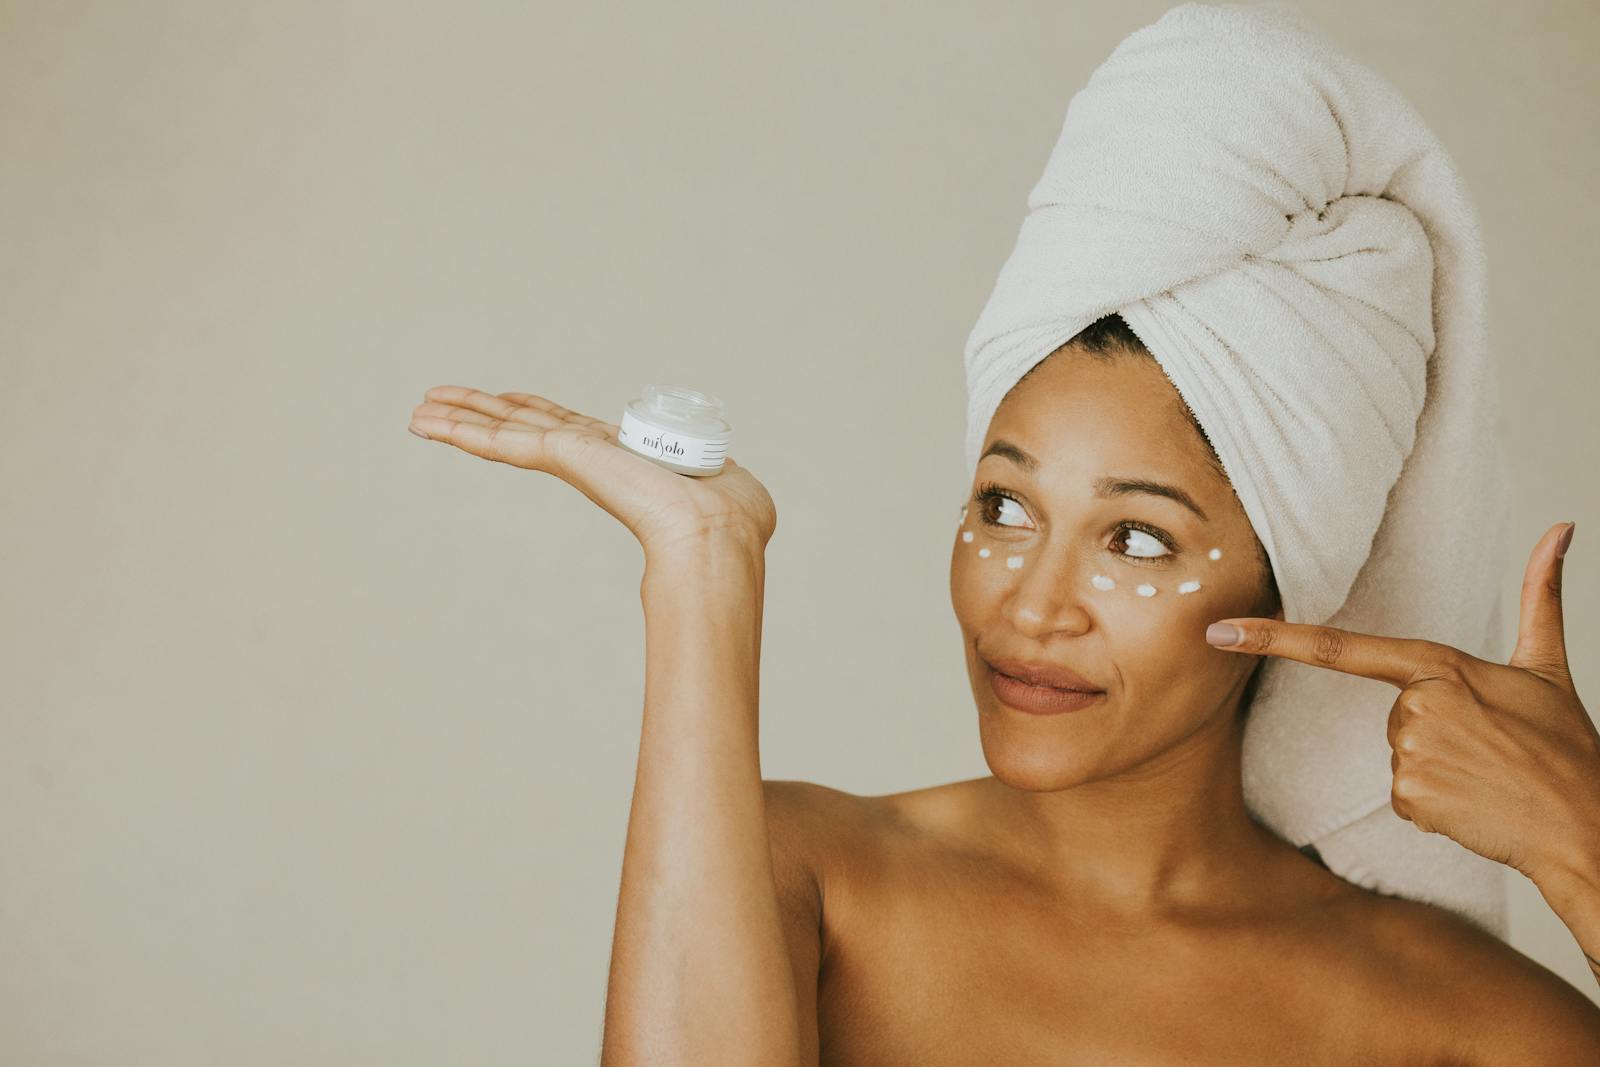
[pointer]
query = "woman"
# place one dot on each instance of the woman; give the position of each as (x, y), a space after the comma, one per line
(1106, 894)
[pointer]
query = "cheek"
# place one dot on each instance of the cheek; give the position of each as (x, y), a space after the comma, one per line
(1159, 640)
(978, 576)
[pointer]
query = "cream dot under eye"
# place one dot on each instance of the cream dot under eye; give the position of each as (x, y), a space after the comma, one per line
(966, 535)
(1014, 562)
(1215, 553)
(983, 553)
(1146, 590)
(1188, 587)
(1100, 581)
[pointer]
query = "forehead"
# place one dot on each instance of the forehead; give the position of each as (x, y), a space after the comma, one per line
(1081, 414)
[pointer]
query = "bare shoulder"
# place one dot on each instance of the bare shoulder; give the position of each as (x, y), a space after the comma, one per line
(851, 824)
(818, 818)
(1489, 1001)
(820, 833)
(798, 797)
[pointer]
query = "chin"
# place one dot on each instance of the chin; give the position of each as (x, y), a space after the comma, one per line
(1032, 764)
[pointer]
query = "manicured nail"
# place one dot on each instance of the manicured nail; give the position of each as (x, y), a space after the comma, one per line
(1223, 634)
(419, 433)
(1565, 540)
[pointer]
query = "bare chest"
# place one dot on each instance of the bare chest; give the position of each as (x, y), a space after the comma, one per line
(938, 966)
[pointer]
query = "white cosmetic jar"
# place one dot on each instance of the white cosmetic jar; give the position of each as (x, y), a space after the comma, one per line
(680, 429)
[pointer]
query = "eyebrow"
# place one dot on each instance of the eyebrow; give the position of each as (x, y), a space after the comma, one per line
(1106, 486)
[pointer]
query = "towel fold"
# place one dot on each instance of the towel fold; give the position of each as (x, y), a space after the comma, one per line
(1281, 229)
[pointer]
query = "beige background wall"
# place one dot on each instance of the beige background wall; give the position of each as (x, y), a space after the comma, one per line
(316, 739)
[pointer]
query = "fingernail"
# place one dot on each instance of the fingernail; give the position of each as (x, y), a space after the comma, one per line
(1223, 634)
(419, 433)
(1565, 540)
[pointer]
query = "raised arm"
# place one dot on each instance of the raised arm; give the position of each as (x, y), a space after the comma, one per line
(700, 969)
(1501, 757)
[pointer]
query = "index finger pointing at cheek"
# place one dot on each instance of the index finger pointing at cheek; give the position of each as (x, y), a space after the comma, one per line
(1396, 660)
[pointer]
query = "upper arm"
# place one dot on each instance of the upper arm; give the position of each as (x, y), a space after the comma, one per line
(795, 828)
(1528, 1014)
(1503, 1006)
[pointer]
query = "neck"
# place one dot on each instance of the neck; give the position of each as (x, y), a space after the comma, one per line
(1171, 833)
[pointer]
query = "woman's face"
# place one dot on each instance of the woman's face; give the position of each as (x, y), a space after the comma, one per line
(1073, 565)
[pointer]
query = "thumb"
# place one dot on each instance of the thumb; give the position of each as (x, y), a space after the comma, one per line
(1541, 635)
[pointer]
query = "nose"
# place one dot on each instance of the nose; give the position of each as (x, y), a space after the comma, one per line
(1048, 594)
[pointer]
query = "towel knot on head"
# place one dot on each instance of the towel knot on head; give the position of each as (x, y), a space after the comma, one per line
(1283, 232)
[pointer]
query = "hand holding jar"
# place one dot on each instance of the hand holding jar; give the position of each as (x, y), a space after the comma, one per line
(651, 472)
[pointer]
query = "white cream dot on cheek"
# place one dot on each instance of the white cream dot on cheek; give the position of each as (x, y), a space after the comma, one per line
(1146, 590)
(966, 535)
(1100, 581)
(983, 553)
(1188, 587)
(1014, 562)
(1216, 553)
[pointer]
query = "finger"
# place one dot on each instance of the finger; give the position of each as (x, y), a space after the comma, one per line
(517, 407)
(1399, 661)
(528, 408)
(1541, 634)
(484, 403)
(505, 442)
(533, 404)
(450, 411)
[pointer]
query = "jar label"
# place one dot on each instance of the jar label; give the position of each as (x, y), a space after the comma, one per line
(686, 450)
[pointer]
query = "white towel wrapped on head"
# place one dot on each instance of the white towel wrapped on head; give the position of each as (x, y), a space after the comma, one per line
(1282, 230)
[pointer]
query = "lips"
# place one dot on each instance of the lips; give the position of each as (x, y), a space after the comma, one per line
(1038, 699)
(1048, 674)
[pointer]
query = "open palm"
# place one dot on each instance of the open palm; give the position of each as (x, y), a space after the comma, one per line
(662, 508)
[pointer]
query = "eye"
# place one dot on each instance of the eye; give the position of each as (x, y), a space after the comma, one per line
(1144, 542)
(989, 493)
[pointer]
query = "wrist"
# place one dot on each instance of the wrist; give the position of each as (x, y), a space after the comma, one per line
(1569, 863)
(1570, 884)
(726, 556)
